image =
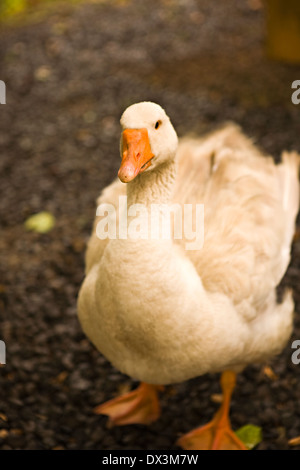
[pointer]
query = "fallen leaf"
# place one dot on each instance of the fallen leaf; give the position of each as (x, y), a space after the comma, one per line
(216, 397)
(60, 378)
(250, 435)
(268, 371)
(42, 222)
(3, 433)
(43, 73)
(295, 441)
(3, 417)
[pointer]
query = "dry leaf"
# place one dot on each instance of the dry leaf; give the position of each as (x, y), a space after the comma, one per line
(43, 73)
(60, 378)
(295, 441)
(216, 397)
(3, 417)
(268, 371)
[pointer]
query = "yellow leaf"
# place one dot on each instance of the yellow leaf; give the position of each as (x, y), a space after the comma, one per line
(42, 222)
(250, 435)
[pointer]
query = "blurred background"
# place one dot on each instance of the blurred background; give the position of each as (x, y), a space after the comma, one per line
(71, 68)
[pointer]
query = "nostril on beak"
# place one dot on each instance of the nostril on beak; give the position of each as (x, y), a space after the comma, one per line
(127, 172)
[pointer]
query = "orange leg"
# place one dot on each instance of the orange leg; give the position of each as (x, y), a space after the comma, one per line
(141, 406)
(217, 434)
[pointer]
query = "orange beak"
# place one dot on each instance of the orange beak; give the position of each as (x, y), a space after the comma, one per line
(137, 154)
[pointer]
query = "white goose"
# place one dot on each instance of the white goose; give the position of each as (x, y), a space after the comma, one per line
(162, 313)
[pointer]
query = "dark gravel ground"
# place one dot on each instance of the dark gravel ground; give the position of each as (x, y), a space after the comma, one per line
(69, 76)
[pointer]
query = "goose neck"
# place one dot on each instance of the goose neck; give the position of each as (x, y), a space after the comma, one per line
(153, 186)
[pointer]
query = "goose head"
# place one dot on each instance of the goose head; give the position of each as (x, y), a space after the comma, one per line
(148, 139)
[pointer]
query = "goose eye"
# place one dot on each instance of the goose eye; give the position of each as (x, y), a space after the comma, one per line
(157, 124)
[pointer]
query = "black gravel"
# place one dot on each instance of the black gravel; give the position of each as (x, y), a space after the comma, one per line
(69, 76)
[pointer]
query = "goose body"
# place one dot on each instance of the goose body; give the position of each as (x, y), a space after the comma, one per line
(163, 314)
